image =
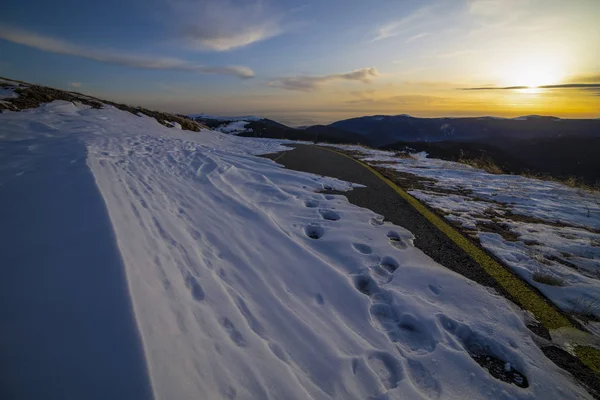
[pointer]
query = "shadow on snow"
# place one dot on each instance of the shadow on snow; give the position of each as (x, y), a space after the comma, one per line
(68, 329)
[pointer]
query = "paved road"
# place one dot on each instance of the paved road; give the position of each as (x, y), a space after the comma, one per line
(382, 199)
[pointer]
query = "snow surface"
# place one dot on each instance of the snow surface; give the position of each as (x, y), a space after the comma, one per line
(234, 127)
(561, 239)
(247, 283)
(7, 93)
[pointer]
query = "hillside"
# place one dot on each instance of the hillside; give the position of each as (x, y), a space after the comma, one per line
(148, 261)
(266, 128)
(573, 157)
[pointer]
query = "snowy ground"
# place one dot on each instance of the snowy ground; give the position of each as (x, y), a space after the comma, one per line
(551, 229)
(245, 281)
(234, 127)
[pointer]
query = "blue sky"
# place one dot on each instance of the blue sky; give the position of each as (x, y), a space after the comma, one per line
(310, 61)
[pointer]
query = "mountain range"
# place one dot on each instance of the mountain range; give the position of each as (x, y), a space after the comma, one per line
(538, 144)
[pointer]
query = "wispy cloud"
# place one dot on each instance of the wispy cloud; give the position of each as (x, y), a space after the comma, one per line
(307, 83)
(416, 37)
(75, 84)
(453, 54)
(590, 78)
(224, 25)
(585, 86)
(405, 24)
(112, 57)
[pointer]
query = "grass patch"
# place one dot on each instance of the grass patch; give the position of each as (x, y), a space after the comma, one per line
(570, 181)
(547, 278)
(590, 356)
(485, 162)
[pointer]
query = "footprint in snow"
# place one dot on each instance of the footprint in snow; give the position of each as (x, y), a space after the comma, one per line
(362, 248)
(396, 240)
(381, 275)
(314, 231)
(389, 264)
(376, 221)
(329, 215)
(365, 284)
(435, 289)
(319, 299)
(194, 287)
(387, 368)
(410, 332)
(311, 203)
(478, 348)
(233, 333)
(424, 380)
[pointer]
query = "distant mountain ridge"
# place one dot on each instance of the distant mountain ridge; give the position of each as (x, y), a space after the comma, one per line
(539, 144)
(387, 129)
(382, 130)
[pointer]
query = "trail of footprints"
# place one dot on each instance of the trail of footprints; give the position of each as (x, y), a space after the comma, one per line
(411, 336)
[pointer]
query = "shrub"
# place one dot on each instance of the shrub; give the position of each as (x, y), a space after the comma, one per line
(548, 278)
(485, 162)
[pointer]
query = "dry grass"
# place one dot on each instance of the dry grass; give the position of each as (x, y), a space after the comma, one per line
(571, 181)
(548, 278)
(402, 154)
(586, 308)
(485, 162)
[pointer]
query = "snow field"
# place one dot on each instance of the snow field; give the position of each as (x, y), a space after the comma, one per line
(247, 282)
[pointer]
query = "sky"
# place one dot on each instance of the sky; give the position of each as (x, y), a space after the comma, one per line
(314, 61)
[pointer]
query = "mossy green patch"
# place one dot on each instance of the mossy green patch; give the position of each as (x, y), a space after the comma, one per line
(590, 356)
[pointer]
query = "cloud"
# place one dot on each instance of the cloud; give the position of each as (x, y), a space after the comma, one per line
(307, 83)
(404, 25)
(454, 54)
(584, 86)
(224, 25)
(586, 78)
(418, 36)
(112, 57)
(75, 84)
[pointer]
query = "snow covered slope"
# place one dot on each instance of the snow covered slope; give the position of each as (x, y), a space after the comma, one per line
(247, 283)
(543, 229)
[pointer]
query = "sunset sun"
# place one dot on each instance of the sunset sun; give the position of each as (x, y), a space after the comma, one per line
(533, 72)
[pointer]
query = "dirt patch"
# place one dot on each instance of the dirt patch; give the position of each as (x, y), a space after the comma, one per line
(499, 228)
(33, 96)
(528, 219)
(572, 364)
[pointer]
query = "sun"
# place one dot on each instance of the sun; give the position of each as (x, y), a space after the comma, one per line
(535, 75)
(532, 72)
